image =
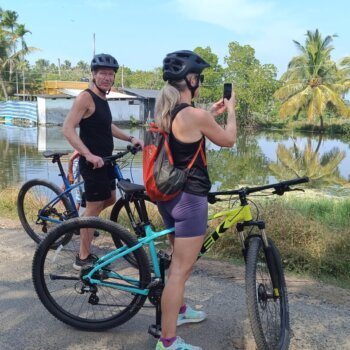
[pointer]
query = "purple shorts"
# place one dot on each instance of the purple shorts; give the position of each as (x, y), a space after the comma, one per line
(187, 212)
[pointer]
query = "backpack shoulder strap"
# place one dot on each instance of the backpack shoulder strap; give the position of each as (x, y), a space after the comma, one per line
(199, 150)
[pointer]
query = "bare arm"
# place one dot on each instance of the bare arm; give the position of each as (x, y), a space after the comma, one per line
(213, 131)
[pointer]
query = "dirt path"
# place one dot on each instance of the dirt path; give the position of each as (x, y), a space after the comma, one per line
(320, 314)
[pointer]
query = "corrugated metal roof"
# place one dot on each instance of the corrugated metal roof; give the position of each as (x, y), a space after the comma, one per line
(111, 95)
(144, 93)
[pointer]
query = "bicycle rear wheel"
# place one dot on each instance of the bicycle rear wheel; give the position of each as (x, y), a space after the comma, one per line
(127, 214)
(32, 198)
(268, 310)
(81, 304)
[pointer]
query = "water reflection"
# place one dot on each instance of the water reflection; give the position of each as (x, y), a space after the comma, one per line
(322, 168)
(248, 162)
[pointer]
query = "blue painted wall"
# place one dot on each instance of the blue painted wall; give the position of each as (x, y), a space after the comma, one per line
(19, 110)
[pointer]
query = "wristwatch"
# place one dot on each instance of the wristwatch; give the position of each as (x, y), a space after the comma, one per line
(130, 138)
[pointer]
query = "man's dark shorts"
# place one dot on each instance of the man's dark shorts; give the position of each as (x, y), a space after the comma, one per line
(99, 183)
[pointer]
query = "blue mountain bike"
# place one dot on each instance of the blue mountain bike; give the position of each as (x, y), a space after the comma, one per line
(42, 205)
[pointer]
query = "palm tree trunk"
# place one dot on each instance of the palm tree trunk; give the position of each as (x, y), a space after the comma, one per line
(3, 87)
(321, 123)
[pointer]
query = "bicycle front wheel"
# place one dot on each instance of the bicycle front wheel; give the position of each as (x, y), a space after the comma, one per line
(77, 302)
(268, 309)
(36, 216)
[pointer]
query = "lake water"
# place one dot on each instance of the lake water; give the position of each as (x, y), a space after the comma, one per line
(246, 163)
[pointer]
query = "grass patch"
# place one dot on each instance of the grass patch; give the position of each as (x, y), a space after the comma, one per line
(334, 213)
(8, 203)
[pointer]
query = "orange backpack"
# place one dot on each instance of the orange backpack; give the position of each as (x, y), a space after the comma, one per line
(162, 180)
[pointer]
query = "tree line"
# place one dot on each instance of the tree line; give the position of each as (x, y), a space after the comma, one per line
(313, 85)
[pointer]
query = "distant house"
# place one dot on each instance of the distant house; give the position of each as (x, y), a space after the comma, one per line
(147, 100)
(52, 109)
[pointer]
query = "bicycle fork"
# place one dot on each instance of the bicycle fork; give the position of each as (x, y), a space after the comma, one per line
(270, 261)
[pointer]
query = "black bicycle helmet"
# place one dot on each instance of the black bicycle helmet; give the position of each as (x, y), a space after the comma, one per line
(103, 60)
(178, 64)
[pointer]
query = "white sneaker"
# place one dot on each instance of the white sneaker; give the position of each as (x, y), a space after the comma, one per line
(191, 316)
(178, 344)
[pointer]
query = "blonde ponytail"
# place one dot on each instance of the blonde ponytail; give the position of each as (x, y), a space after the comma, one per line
(167, 99)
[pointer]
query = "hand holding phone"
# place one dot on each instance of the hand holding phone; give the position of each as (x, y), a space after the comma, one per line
(227, 90)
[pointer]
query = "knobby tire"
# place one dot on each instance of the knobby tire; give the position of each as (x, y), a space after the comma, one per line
(269, 316)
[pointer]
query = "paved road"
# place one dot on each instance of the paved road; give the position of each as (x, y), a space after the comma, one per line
(216, 287)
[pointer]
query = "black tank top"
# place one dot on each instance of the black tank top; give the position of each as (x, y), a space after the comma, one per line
(198, 181)
(96, 131)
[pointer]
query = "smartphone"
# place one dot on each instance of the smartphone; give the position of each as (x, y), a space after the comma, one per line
(227, 90)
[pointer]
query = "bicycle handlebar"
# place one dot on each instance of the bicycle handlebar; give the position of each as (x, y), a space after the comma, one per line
(113, 157)
(279, 188)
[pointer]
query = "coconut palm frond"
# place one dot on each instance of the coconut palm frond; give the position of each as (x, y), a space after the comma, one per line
(335, 99)
(289, 90)
(295, 103)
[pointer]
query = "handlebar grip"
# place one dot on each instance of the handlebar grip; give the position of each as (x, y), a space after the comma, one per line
(134, 149)
(296, 181)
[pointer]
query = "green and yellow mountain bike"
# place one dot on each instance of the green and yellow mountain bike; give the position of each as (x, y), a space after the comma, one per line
(115, 287)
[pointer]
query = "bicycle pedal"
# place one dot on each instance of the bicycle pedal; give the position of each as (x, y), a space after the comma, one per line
(155, 330)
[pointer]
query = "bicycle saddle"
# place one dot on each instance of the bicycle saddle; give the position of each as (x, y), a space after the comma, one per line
(50, 154)
(129, 187)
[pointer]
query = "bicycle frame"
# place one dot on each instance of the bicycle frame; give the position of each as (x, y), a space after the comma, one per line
(67, 192)
(233, 216)
(107, 259)
(73, 212)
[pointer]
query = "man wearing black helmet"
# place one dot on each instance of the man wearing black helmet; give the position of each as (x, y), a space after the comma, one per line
(188, 212)
(92, 114)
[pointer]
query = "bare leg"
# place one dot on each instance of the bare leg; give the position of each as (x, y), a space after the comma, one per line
(86, 235)
(184, 256)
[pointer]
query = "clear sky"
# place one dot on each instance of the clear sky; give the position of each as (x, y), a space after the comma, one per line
(139, 33)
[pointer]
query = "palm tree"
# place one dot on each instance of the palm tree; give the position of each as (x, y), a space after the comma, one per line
(6, 58)
(9, 20)
(9, 56)
(313, 81)
(21, 31)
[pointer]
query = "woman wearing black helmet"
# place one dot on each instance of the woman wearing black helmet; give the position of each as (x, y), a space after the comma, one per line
(188, 212)
(92, 114)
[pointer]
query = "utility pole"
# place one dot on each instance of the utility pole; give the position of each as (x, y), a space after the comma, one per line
(59, 68)
(122, 76)
(24, 86)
